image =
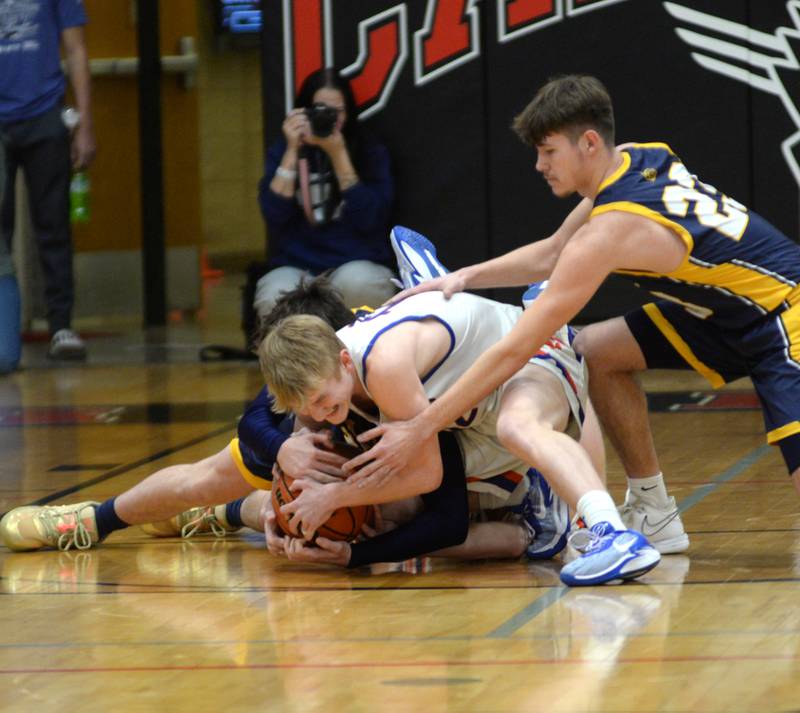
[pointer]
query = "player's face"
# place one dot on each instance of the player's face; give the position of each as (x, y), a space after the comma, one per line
(560, 161)
(330, 401)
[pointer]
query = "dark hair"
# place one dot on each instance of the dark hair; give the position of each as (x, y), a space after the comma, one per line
(331, 79)
(316, 296)
(570, 104)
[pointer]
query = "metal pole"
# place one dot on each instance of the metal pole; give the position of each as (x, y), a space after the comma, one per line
(154, 286)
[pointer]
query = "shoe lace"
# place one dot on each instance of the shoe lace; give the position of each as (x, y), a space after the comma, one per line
(578, 540)
(625, 508)
(63, 533)
(207, 520)
(529, 531)
(594, 543)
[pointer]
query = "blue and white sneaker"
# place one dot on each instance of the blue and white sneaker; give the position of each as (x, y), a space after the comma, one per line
(611, 557)
(533, 291)
(416, 257)
(547, 517)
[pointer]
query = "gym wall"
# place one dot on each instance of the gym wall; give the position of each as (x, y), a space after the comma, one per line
(441, 80)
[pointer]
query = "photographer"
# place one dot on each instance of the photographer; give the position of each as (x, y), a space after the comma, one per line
(326, 196)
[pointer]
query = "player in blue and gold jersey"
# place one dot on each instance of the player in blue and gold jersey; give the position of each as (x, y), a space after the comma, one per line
(725, 282)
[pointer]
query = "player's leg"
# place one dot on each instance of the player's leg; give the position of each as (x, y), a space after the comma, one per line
(533, 413)
(490, 540)
(213, 480)
(234, 513)
(592, 440)
(659, 335)
(248, 511)
(532, 419)
(613, 357)
(164, 494)
(776, 379)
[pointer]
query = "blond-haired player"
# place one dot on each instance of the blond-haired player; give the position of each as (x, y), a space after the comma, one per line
(391, 364)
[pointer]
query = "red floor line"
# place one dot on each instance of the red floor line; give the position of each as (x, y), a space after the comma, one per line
(409, 664)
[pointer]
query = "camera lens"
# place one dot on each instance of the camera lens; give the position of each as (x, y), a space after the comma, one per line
(322, 119)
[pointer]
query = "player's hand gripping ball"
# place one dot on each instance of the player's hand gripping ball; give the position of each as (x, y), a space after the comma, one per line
(344, 524)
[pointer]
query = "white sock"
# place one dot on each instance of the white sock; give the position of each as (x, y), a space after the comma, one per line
(650, 491)
(597, 506)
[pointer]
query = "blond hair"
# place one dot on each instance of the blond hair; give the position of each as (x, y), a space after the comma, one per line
(296, 356)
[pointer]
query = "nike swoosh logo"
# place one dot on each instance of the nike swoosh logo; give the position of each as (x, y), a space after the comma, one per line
(623, 543)
(652, 487)
(649, 528)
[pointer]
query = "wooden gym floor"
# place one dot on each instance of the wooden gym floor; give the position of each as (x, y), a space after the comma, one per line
(140, 624)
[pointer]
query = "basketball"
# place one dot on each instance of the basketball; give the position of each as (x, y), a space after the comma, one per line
(344, 524)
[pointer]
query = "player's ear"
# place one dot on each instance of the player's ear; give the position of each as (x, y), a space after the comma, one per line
(591, 141)
(346, 360)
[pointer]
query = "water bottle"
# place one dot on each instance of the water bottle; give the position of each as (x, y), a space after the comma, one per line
(79, 198)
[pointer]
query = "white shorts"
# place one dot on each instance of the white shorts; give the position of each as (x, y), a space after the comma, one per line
(490, 468)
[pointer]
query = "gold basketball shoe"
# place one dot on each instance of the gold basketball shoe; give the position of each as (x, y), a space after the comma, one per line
(60, 526)
(195, 521)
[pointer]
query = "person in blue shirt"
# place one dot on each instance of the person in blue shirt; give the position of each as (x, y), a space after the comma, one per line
(36, 139)
(326, 198)
(10, 342)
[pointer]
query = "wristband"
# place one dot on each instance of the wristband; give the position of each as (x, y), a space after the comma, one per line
(287, 173)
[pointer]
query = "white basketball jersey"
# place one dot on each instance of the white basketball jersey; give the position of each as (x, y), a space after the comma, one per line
(474, 324)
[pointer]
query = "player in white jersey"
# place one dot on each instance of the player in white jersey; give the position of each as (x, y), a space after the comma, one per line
(473, 324)
(390, 364)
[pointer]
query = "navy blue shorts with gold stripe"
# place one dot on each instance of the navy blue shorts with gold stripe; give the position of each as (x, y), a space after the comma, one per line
(254, 470)
(768, 352)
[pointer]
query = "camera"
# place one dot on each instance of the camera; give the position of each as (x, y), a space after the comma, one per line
(322, 119)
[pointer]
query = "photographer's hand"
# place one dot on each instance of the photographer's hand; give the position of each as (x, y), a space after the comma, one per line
(296, 129)
(336, 148)
(332, 144)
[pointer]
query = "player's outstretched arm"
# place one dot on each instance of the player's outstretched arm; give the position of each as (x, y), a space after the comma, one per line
(591, 259)
(448, 284)
(522, 266)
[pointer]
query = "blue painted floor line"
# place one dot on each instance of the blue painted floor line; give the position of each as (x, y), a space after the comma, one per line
(528, 613)
(739, 467)
(542, 603)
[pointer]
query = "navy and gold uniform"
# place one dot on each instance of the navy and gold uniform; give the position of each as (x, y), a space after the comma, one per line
(732, 308)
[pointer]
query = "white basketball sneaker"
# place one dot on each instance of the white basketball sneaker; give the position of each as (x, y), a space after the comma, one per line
(416, 257)
(662, 526)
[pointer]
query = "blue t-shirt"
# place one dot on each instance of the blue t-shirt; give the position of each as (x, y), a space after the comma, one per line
(31, 80)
